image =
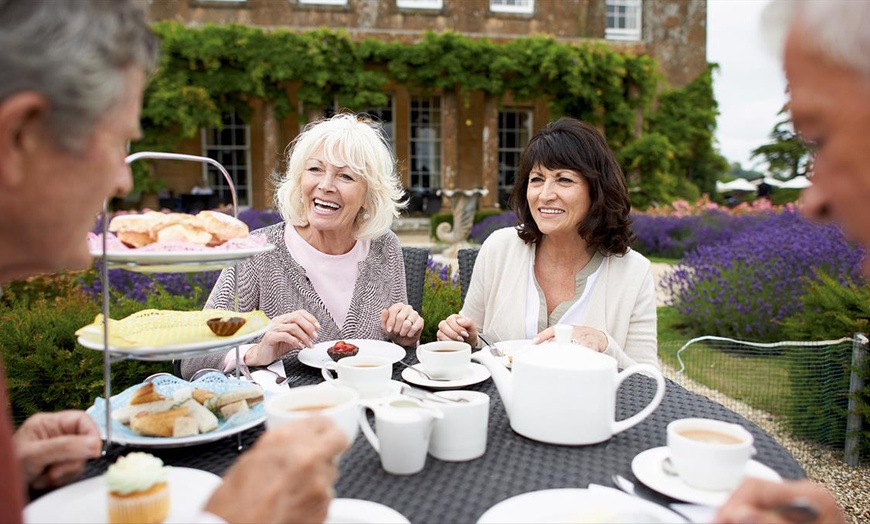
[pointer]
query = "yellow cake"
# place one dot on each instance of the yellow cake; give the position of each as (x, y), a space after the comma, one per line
(138, 489)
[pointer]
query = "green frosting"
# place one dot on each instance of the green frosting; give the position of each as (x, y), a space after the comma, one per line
(135, 472)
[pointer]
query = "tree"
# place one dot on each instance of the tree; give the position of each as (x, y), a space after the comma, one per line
(786, 155)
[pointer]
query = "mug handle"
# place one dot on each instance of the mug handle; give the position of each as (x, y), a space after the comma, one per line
(367, 428)
(325, 371)
(622, 425)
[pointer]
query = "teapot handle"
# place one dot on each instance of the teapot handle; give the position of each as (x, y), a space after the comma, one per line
(367, 428)
(622, 425)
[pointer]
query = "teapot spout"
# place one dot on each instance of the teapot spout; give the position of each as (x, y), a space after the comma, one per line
(500, 375)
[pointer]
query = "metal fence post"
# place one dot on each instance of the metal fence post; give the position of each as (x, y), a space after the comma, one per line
(856, 384)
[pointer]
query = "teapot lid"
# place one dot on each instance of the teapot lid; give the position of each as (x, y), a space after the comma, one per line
(565, 353)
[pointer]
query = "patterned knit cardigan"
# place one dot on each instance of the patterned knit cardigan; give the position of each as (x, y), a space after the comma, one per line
(276, 284)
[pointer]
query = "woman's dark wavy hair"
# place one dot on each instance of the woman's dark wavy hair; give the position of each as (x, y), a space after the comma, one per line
(571, 144)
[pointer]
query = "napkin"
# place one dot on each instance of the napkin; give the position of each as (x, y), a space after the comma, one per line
(266, 380)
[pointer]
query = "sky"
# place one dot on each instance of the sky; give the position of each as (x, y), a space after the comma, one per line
(750, 85)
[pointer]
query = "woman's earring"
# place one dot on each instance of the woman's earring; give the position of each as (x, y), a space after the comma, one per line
(366, 215)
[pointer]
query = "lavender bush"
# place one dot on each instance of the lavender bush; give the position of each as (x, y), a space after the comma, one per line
(481, 230)
(671, 236)
(746, 283)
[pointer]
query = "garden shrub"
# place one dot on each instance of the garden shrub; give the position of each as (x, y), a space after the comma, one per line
(46, 370)
(746, 285)
(441, 298)
(833, 307)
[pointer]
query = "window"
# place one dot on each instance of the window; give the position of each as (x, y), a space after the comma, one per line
(514, 132)
(512, 6)
(382, 115)
(623, 19)
(231, 146)
(323, 2)
(420, 4)
(425, 158)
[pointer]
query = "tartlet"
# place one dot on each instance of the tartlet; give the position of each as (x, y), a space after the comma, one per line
(225, 326)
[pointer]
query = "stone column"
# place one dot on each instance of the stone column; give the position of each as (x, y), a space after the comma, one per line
(449, 147)
(489, 176)
(270, 153)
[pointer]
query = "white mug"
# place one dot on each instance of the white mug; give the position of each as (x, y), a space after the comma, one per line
(709, 454)
(341, 404)
(448, 359)
(370, 376)
(461, 434)
(403, 429)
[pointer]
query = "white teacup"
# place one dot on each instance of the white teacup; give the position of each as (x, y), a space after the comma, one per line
(401, 438)
(370, 376)
(709, 454)
(448, 359)
(461, 434)
(341, 404)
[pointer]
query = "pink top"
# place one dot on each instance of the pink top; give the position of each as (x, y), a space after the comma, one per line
(332, 276)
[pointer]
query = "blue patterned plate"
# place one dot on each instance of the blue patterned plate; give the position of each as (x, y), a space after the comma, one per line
(167, 385)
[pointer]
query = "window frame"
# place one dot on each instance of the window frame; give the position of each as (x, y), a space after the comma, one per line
(514, 9)
(500, 148)
(323, 2)
(435, 179)
(221, 186)
(619, 33)
(420, 4)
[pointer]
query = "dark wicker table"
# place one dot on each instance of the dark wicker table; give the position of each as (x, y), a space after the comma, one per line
(512, 464)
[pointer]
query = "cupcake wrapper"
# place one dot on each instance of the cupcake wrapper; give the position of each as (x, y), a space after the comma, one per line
(149, 507)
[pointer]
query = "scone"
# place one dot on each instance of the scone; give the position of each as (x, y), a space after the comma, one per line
(138, 489)
(223, 227)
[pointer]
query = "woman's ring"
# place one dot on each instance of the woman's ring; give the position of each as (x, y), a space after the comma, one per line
(409, 320)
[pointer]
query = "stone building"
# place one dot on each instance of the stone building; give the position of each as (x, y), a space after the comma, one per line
(439, 141)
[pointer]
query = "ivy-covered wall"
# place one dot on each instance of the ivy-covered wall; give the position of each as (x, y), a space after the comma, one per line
(211, 70)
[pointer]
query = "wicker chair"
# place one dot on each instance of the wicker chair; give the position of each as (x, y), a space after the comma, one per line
(415, 273)
(466, 266)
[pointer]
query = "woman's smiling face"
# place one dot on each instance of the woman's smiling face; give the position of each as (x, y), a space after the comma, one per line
(558, 199)
(333, 195)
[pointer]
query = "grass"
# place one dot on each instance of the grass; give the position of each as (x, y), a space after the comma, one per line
(760, 381)
(663, 260)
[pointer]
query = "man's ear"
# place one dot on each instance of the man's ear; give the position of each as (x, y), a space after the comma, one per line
(22, 134)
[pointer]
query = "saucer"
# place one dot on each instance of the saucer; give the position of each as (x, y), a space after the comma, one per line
(476, 373)
(647, 467)
(393, 388)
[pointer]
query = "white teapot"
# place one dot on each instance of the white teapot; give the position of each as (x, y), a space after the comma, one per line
(562, 393)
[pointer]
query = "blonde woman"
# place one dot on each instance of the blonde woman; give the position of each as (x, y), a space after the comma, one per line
(337, 270)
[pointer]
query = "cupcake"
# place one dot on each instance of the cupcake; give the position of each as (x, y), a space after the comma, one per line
(138, 492)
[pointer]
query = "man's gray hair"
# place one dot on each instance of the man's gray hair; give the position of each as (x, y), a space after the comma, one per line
(76, 54)
(837, 29)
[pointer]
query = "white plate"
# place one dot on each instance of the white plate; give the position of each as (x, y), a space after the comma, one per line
(647, 467)
(221, 342)
(316, 356)
(180, 261)
(166, 385)
(476, 373)
(394, 387)
(511, 348)
(87, 501)
(578, 506)
(356, 511)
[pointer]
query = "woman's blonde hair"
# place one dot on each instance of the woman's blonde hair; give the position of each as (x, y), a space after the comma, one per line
(345, 140)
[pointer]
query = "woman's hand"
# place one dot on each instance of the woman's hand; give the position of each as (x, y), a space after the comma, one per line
(584, 335)
(459, 328)
(402, 324)
(52, 448)
(287, 332)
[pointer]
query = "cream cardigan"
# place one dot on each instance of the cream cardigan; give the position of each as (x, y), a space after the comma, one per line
(622, 304)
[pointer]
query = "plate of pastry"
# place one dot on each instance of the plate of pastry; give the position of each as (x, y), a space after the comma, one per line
(177, 242)
(168, 412)
(154, 331)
